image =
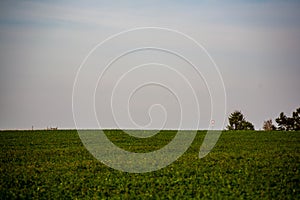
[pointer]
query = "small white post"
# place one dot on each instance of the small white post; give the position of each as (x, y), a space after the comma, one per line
(212, 122)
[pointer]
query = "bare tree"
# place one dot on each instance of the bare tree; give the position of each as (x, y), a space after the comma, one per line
(268, 125)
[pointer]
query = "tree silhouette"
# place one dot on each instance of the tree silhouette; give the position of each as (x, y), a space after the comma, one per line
(238, 122)
(296, 120)
(281, 121)
(289, 123)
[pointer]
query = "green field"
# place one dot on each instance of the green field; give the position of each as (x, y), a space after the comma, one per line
(243, 165)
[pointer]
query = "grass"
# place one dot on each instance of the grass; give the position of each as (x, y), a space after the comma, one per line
(243, 165)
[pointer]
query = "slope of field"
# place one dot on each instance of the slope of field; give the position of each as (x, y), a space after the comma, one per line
(243, 164)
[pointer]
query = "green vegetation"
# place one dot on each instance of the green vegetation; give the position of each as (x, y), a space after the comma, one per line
(244, 164)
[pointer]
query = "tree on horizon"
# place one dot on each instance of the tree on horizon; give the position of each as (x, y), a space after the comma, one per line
(289, 123)
(268, 125)
(237, 121)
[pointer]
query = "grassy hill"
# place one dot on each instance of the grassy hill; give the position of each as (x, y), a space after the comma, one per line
(243, 164)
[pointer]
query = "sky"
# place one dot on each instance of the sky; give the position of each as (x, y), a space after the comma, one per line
(254, 48)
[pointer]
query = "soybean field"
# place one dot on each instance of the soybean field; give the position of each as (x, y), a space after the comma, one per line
(243, 165)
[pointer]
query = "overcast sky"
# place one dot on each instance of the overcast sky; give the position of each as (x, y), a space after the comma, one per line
(255, 44)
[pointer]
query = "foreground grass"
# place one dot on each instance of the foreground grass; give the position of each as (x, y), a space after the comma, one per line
(244, 164)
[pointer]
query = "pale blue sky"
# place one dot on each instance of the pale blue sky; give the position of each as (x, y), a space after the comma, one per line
(256, 45)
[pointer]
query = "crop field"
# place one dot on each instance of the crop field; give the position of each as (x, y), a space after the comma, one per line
(243, 165)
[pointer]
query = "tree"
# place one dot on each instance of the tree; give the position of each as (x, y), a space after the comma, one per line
(235, 120)
(268, 125)
(296, 120)
(281, 121)
(238, 122)
(289, 123)
(247, 126)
